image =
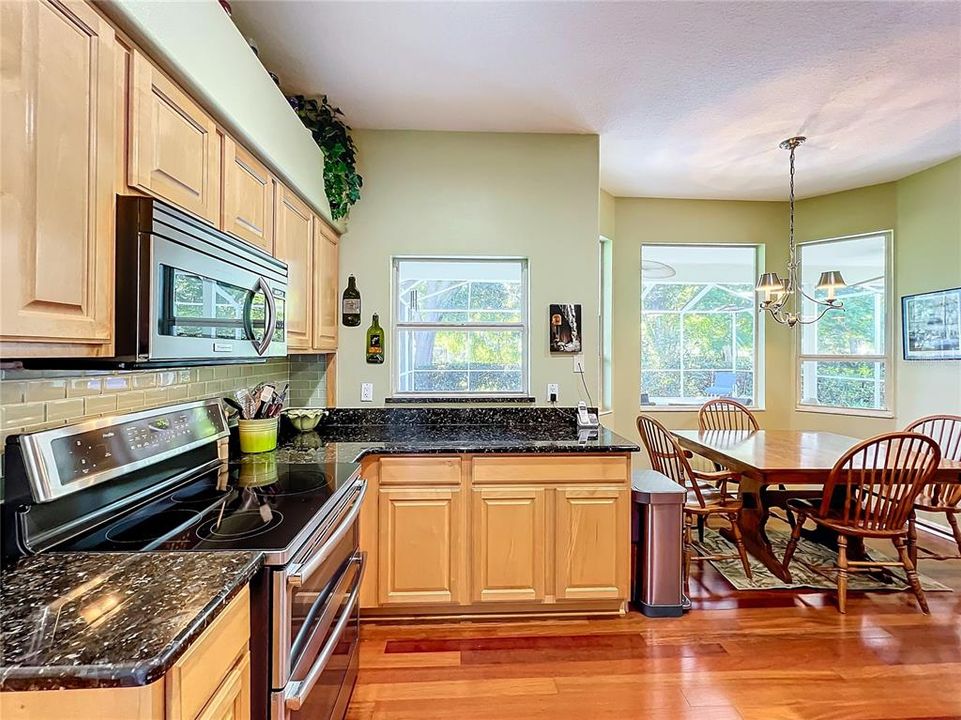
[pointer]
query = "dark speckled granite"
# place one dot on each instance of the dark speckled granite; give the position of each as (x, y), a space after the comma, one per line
(349, 434)
(453, 400)
(71, 620)
(550, 419)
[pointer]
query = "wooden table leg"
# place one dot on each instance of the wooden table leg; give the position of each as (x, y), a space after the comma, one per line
(752, 519)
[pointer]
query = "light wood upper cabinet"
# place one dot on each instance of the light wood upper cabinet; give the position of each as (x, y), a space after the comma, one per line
(592, 535)
(248, 200)
(294, 245)
(508, 542)
(326, 272)
(174, 145)
(420, 545)
(57, 170)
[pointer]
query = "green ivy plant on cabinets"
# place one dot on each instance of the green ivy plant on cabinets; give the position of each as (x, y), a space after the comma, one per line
(332, 135)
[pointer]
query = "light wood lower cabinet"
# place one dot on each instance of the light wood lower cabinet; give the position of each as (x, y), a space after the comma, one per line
(420, 543)
(211, 681)
(592, 553)
(508, 544)
(174, 144)
(248, 197)
(232, 699)
(497, 533)
(56, 177)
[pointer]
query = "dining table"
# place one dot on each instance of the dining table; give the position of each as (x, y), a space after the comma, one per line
(774, 465)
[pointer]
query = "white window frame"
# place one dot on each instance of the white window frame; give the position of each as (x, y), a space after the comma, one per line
(887, 357)
(605, 348)
(396, 326)
(758, 395)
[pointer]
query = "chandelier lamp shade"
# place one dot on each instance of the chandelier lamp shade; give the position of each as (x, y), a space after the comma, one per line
(783, 297)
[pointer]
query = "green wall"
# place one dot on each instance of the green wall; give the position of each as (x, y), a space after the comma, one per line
(924, 211)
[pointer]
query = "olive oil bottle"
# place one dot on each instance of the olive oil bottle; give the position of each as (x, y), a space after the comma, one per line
(351, 304)
(375, 342)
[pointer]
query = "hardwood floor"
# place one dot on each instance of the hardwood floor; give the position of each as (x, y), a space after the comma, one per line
(774, 655)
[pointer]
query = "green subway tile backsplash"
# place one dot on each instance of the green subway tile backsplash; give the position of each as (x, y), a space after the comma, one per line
(32, 400)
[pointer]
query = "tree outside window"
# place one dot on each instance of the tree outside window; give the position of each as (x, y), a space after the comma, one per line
(698, 323)
(845, 357)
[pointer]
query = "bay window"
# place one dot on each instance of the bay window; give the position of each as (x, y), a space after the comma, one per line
(844, 359)
(699, 329)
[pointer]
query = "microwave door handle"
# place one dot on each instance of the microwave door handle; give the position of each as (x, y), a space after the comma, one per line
(298, 696)
(262, 346)
(299, 573)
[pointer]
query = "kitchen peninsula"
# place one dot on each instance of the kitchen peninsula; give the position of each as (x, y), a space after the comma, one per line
(473, 511)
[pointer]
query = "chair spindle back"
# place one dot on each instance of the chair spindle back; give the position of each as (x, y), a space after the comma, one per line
(945, 430)
(725, 414)
(880, 479)
(667, 456)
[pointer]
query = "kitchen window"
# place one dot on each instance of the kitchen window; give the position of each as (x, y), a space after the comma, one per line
(699, 329)
(460, 326)
(844, 363)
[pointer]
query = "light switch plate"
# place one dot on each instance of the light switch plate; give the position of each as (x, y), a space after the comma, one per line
(367, 392)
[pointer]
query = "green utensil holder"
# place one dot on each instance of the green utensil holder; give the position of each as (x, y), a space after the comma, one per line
(257, 436)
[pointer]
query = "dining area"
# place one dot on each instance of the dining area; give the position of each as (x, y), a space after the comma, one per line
(795, 510)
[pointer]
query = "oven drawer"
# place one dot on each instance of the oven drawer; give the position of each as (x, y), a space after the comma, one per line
(323, 676)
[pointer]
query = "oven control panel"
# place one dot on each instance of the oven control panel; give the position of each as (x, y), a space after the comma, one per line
(98, 450)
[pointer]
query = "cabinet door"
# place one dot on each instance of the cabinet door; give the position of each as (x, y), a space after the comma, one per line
(327, 270)
(174, 144)
(593, 543)
(248, 203)
(293, 245)
(231, 701)
(56, 176)
(507, 545)
(420, 546)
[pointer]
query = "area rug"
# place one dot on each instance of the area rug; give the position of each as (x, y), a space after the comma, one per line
(811, 567)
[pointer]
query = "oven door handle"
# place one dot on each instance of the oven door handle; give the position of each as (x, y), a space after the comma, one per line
(297, 692)
(262, 346)
(299, 573)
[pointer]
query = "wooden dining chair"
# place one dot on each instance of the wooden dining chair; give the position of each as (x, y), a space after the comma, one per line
(937, 497)
(707, 493)
(725, 414)
(870, 493)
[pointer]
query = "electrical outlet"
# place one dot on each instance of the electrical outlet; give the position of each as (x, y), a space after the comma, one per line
(552, 392)
(578, 364)
(367, 392)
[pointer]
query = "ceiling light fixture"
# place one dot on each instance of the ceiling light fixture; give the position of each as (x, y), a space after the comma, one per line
(782, 297)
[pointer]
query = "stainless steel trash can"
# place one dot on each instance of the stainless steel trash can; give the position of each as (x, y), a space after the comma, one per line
(657, 587)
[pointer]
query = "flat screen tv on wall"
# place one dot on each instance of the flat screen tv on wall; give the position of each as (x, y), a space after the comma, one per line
(931, 325)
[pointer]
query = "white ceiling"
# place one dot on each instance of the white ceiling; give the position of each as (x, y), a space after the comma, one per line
(690, 98)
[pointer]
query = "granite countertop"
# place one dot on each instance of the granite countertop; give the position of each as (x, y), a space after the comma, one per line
(71, 620)
(355, 434)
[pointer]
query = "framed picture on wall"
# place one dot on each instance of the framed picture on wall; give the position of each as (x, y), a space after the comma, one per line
(565, 328)
(931, 325)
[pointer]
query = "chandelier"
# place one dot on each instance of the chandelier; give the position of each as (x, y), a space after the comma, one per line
(782, 297)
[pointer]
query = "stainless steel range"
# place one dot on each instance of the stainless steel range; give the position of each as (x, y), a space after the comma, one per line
(161, 480)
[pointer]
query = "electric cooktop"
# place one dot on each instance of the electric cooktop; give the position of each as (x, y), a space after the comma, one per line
(251, 504)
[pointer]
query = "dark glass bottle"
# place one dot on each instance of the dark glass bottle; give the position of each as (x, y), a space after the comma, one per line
(351, 304)
(375, 342)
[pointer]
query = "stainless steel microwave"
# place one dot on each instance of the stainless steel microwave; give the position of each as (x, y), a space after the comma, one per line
(187, 293)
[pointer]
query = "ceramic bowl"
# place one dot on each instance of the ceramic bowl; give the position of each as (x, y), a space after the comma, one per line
(304, 419)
